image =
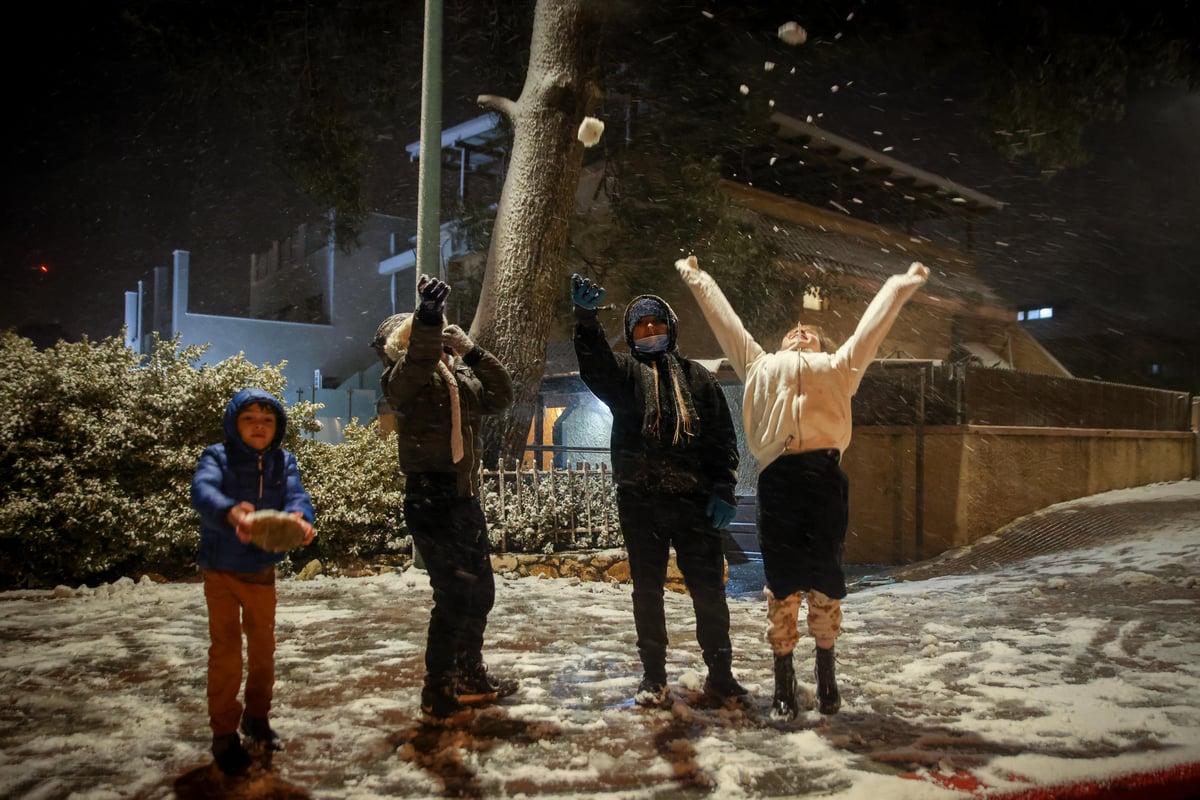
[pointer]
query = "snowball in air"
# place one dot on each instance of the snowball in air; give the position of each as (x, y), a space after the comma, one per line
(590, 131)
(792, 33)
(744, 89)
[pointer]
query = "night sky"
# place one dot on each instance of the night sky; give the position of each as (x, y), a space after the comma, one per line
(105, 177)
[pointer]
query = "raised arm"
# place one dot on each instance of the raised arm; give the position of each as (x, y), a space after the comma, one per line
(737, 344)
(879, 317)
(598, 365)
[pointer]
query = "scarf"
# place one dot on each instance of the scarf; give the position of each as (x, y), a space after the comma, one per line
(681, 408)
(456, 440)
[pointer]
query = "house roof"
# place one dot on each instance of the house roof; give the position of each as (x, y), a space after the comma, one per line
(840, 246)
(798, 153)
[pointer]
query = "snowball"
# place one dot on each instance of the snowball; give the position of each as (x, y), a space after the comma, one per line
(744, 89)
(792, 33)
(768, 66)
(590, 131)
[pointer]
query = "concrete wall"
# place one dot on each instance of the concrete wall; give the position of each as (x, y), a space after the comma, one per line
(913, 498)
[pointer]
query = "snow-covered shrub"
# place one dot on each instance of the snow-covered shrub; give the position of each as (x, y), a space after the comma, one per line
(358, 492)
(550, 511)
(97, 450)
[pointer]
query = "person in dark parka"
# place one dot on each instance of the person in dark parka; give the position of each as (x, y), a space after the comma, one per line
(675, 457)
(441, 384)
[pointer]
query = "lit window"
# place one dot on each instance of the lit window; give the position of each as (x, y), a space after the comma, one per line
(1046, 312)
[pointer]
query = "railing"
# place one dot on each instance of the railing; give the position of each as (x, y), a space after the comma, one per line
(545, 511)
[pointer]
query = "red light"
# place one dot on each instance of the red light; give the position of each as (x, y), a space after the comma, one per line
(42, 268)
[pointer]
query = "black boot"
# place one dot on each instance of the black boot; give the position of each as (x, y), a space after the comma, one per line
(439, 702)
(476, 686)
(652, 692)
(720, 682)
(231, 757)
(785, 706)
(828, 700)
(259, 731)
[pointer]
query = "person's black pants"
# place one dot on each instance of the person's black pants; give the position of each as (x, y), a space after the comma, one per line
(803, 512)
(651, 524)
(451, 534)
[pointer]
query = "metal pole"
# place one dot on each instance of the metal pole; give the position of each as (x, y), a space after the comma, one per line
(429, 170)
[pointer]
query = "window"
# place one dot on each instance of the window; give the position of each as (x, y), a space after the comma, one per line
(1046, 312)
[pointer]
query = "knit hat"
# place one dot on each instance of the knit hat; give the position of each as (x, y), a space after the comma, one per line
(649, 305)
(387, 329)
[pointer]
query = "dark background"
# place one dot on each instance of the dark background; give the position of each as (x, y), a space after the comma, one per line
(126, 143)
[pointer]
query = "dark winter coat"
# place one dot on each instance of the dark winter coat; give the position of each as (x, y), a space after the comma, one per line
(704, 462)
(421, 400)
(233, 472)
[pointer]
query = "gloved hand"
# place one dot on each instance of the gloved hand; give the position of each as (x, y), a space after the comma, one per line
(433, 293)
(457, 340)
(586, 294)
(721, 512)
(918, 269)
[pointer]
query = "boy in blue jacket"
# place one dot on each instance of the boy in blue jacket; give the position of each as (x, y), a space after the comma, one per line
(249, 472)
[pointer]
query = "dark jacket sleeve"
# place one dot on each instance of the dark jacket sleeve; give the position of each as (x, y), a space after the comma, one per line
(405, 380)
(599, 367)
(720, 452)
(494, 379)
(210, 502)
(297, 498)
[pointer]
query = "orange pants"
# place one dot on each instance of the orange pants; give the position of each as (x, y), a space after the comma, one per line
(237, 604)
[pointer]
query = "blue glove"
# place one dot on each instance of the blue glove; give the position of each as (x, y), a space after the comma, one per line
(586, 294)
(721, 512)
(433, 295)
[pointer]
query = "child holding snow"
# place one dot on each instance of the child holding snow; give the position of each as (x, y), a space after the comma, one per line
(796, 410)
(247, 473)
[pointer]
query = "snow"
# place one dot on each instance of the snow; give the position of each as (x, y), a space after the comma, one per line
(1076, 665)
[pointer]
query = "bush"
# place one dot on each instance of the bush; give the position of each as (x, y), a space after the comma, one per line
(358, 491)
(97, 450)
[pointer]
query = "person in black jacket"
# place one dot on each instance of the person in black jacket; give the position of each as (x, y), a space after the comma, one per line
(440, 384)
(675, 458)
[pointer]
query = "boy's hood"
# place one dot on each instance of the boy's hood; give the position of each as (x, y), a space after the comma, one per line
(242, 399)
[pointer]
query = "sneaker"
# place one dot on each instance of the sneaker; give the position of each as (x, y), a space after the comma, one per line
(440, 705)
(722, 685)
(231, 757)
(476, 686)
(651, 693)
(258, 729)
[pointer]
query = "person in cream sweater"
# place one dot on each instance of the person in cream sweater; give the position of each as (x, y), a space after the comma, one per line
(796, 413)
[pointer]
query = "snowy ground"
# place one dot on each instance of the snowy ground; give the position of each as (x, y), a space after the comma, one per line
(1070, 666)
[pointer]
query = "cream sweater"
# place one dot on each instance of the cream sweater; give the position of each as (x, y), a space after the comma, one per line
(798, 401)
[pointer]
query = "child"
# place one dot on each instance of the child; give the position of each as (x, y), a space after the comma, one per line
(675, 460)
(442, 384)
(796, 411)
(249, 472)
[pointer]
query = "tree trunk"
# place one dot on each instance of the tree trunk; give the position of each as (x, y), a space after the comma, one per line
(524, 276)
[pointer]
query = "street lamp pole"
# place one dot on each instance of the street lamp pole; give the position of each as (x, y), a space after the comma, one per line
(429, 185)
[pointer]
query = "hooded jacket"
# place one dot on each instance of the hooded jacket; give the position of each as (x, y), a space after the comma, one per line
(418, 392)
(233, 472)
(652, 448)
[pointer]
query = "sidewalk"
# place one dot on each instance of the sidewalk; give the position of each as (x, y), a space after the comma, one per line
(1073, 673)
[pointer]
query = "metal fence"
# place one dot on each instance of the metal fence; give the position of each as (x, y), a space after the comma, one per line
(530, 510)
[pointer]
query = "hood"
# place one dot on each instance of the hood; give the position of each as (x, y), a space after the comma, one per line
(649, 305)
(240, 401)
(383, 333)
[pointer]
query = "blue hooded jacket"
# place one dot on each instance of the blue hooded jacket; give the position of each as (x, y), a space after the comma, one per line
(233, 472)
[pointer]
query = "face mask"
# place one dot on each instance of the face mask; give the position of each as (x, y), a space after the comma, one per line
(652, 344)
